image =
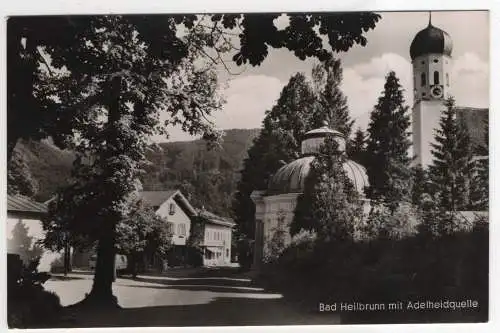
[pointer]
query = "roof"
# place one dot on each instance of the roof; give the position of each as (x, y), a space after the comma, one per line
(215, 219)
(431, 40)
(157, 198)
(476, 121)
(291, 177)
(23, 204)
(321, 132)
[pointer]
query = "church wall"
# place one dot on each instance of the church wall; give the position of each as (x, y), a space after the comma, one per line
(426, 64)
(426, 116)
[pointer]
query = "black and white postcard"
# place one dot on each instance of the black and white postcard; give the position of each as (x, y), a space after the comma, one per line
(247, 168)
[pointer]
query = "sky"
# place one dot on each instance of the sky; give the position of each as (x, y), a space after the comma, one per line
(249, 94)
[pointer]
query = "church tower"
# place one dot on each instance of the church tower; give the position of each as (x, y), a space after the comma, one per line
(430, 53)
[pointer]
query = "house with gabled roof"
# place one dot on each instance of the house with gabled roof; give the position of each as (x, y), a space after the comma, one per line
(173, 206)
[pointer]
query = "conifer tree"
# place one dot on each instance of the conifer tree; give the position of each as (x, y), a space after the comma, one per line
(332, 103)
(329, 204)
(388, 161)
(480, 181)
(278, 142)
(451, 167)
(357, 148)
(419, 185)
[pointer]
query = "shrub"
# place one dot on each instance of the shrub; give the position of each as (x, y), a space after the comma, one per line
(300, 252)
(402, 222)
(28, 304)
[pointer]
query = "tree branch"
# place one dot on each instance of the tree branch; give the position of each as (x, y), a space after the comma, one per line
(42, 58)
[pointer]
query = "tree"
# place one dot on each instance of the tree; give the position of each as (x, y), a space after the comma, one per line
(479, 194)
(125, 88)
(278, 142)
(332, 104)
(420, 185)
(21, 243)
(388, 162)
(329, 204)
(143, 234)
(30, 38)
(19, 178)
(357, 147)
(451, 166)
(107, 80)
(300, 108)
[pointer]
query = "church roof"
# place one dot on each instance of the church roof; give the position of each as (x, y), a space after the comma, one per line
(476, 120)
(431, 40)
(291, 177)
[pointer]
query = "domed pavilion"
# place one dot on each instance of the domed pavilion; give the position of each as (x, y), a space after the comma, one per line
(276, 204)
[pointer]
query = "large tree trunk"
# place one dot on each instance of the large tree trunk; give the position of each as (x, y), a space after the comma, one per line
(102, 292)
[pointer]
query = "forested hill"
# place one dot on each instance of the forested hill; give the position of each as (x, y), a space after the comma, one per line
(208, 178)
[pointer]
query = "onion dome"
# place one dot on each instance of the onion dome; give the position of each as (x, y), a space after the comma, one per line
(291, 177)
(431, 40)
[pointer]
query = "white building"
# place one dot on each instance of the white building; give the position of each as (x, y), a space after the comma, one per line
(217, 239)
(431, 56)
(175, 209)
(178, 212)
(21, 211)
(276, 204)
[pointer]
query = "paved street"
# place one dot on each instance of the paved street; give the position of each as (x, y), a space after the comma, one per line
(185, 301)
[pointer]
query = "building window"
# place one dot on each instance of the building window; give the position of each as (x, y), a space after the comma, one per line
(447, 79)
(171, 208)
(227, 252)
(436, 77)
(436, 61)
(170, 227)
(423, 62)
(423, 79)
(181, 229)
(423, 94)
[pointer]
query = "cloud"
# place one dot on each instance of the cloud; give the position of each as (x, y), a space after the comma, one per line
(364, 82)
(247, 100)
(248, 97)
(470, 81)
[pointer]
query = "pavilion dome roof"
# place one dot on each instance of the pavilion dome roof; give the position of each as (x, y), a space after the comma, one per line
(291, 177)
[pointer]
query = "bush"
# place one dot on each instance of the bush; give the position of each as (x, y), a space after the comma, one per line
(383, 223)
(245, 253)
(28, 304)
(300, 251)
(409, 266)
(194, 256)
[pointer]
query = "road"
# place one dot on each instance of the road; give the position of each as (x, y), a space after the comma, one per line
(185, 301)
